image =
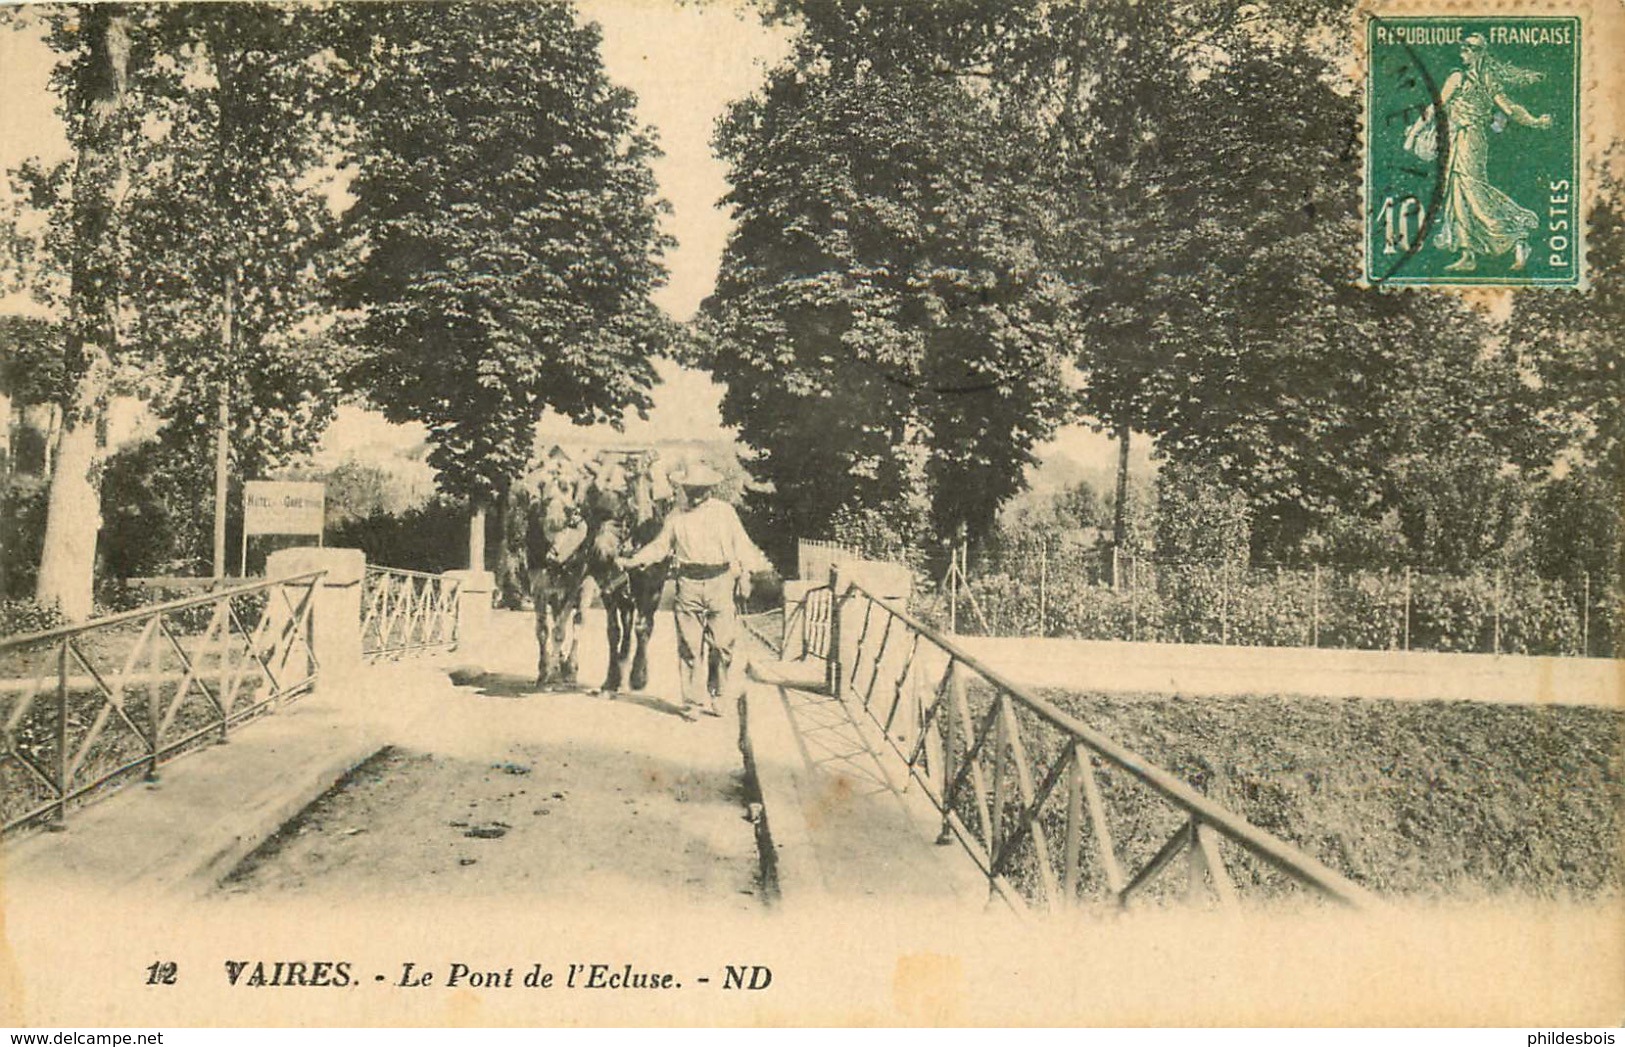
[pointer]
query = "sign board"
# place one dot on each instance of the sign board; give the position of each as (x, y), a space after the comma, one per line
(278, 507)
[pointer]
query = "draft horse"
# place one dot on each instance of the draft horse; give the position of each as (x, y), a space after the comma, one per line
(624, 505)
(556, 556)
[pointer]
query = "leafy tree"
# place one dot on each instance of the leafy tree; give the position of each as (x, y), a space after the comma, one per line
(154, 522)
(22, 521)
(31, 364)
(356, 491)
(1299, 387)
(229, 216)
(507, 224)
(182, 240)
(1203, 192)
(1576, 529)
(1079, 505)
(890, 339)
(1203, 283)
(92, 84)
(1573, 345)
(1200, 520)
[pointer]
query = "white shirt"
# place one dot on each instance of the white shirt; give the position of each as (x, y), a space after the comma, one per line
(709, 533)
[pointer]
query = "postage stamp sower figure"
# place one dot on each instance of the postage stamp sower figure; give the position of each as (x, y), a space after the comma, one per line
(1472, 151)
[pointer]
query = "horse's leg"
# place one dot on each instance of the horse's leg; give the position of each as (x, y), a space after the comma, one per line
(626, 618)
(615, 634)
(569, 631)
(544, 639)
(644, 606)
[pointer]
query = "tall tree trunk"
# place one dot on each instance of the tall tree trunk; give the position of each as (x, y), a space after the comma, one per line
(476, 537)
(221, 53)
(73, 514)
(1120, 512)
(511, 574)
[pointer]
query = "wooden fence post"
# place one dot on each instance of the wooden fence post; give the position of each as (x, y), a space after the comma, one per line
(1133, 604)
(951, 699)
(1407, 607)
(1077, 767)
(1585, 618)
(832, 665)
(1497, 640)
(60, 820)
(1314, 609)
(1043, 586)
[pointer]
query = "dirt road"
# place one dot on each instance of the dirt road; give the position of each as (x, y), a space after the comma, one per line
(491, 788)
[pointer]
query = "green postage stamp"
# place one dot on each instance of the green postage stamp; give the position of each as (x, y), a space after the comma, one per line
(1472, 162)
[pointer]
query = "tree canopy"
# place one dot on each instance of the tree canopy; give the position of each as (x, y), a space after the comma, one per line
(229, 210)
(888, 332)
(1161, 194)
(194, 195)
(506, 224)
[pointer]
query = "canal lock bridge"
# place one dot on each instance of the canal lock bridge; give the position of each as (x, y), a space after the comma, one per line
(870, 753)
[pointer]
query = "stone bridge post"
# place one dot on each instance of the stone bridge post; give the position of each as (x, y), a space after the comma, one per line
(474, 594)
(890, 582)
(335, 607)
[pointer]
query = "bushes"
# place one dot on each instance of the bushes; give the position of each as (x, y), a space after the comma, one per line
(25, 615)
(158, 512)
(115, 597)
(1445, 797)
(22, 522)
(28, 616)
(1100, 613)
(432, 537)
(892, 535)
(1196, 603)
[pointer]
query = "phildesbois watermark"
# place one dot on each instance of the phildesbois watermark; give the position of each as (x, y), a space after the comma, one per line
(1472, 168)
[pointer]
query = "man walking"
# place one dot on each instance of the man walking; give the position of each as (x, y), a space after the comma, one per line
(712, 559)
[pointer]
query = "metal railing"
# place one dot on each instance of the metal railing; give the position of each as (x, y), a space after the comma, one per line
(405, 611)
(805, 630)
(1019, 781)
(85, 705)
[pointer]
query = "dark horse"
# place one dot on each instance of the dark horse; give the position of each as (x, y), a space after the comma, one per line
(556, 554)
(623, 510)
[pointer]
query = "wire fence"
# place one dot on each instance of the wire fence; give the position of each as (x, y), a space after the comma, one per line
(1063, 589)
(814, 557)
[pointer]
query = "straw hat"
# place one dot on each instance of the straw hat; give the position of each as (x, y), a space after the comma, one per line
(697, 475)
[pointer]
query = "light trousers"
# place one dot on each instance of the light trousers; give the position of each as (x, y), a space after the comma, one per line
(705, 610)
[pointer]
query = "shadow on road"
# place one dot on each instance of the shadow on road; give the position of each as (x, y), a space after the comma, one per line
(515, 685)
(649, 701)
(496, 685)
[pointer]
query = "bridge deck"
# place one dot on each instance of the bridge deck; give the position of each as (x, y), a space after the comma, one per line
(845, 832)
(450, 775)
(845, 822)
(208, 809)
(456, 777)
